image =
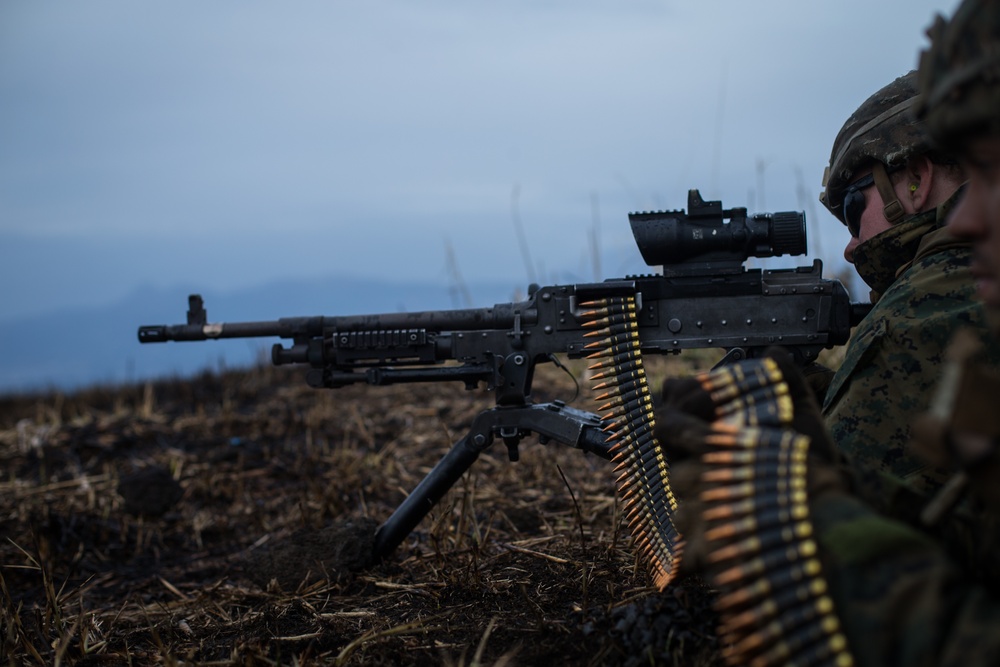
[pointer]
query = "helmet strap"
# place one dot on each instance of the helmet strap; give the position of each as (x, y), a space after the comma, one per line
(892, 209)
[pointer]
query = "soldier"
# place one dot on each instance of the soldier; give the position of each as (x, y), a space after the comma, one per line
(807, 572)
(893, 191)
(960, 101)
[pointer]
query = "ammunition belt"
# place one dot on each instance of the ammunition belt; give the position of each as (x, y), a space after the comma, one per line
(772, 597)
(643, 473)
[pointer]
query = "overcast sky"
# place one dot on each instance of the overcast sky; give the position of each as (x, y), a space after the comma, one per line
(224, 144)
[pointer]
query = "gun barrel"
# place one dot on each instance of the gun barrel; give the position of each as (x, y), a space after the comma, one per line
(284, 328)
(499, 316)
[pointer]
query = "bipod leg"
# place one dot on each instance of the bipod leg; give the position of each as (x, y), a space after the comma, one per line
(550, 421)
(420, 501)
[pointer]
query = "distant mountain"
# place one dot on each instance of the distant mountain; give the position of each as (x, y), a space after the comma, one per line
(74, 348)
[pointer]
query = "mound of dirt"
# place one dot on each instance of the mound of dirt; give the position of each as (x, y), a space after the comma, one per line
(332, 553)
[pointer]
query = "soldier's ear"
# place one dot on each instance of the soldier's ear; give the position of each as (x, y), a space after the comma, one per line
(919, 175)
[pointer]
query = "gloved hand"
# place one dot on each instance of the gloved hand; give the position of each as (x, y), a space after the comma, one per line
(680, 426)
(684, 422)
(818, 377)
(682, 437)
(687, 408)
(828, 470)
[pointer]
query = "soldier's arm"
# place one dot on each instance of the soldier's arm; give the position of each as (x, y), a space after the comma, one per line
(892, 368)
(900, 599)
(804, 569)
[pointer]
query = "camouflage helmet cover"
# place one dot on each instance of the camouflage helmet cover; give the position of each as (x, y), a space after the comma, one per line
(883, 129)
(959, 77)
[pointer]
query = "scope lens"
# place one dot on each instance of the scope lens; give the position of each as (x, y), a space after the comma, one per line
(788, 233)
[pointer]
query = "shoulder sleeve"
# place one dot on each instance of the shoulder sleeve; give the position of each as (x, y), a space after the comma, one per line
(892, 366)
(900, 600)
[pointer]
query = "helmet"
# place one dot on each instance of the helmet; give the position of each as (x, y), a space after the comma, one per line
(883, 129)
(959, 76)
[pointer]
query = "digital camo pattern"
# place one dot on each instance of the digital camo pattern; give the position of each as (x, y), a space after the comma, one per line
(883, 129)
(903, 598)
(893, 361)
(889, 592)
(890, 373)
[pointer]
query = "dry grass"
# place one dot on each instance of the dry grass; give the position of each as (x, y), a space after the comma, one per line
(198, 522)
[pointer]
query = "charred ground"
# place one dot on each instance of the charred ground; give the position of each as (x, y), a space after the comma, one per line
(227, 519)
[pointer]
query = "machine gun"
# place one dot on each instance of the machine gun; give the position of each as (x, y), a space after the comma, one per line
(704, 298)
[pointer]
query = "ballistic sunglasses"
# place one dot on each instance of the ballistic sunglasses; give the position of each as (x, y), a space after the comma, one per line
(854, 203)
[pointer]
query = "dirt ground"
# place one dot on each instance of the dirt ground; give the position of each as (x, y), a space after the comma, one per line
(228, 519)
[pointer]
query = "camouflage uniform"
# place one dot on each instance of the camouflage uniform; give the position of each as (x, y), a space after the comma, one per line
(921, 288)
(901, 594)
(890, 372)
(893, 361)
(900, 598)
